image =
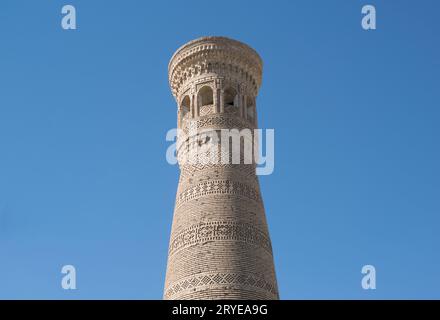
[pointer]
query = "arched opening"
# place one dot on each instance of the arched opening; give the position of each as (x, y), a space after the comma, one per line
(231, 97)
(184, 107)
(205, 96)
(250, 109)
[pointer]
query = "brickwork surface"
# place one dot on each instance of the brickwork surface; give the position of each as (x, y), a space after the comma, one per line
(219, 246)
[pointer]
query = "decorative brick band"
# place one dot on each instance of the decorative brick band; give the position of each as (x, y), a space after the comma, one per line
(217, 231)
(209, 280)
(247, 170)
(217, 187)
(217, 121)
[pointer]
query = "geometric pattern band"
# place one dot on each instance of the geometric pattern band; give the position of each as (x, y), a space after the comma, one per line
(217, 187)
(201, 281)
(218, 231)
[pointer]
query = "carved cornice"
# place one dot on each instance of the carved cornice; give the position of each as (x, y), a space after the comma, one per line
(215, 56)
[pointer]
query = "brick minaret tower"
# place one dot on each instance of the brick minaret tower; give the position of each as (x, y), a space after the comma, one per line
(219, 246)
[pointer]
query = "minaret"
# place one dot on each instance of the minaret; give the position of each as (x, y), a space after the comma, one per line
(219, 246)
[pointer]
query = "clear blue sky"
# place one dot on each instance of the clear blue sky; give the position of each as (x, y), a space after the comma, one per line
(83, 118)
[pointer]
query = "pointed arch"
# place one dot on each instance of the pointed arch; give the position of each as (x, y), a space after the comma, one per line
(230, 97)
(185, 107)
(205, 96)
(250, 109)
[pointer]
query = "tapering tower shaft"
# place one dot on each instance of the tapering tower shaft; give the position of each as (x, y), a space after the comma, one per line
(219, 246)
